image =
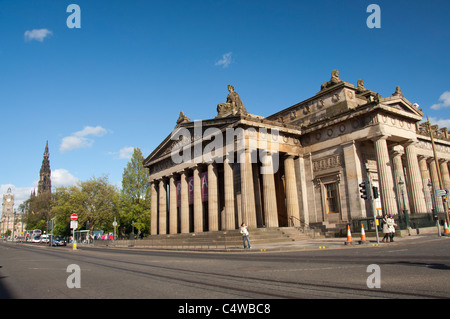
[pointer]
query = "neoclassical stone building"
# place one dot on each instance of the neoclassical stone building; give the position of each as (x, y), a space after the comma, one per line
(300, 166)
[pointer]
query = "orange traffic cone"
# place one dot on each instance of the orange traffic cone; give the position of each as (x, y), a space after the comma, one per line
(446, 232)
(349, 236)
(363, 235)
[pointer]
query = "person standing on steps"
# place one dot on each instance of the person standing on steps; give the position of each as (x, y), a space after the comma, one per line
(244, 232)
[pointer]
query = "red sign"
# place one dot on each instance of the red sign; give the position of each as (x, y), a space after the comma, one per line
(73, 216)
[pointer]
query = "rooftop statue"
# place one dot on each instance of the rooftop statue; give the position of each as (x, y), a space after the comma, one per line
(397, 92)
(183, 118)
(333, 81)
(232, 106)
(360, 87)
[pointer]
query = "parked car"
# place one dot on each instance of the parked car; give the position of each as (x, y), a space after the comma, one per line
(44, 239)
(59, 241)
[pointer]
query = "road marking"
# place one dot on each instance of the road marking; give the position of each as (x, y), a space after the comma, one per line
(394, 251)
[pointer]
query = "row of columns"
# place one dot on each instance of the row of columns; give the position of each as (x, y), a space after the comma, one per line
(417, 197)
(429, 174)
(159, 209)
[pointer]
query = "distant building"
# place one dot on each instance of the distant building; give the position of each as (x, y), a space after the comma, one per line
(10, 222)
(301, 166)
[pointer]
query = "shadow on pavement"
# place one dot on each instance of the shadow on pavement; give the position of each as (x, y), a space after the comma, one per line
(4, 292)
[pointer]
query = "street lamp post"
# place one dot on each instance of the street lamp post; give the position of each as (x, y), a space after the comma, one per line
(434, 211)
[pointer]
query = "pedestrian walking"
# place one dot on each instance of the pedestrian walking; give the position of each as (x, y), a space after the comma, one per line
(244, 232)
(391, 227)
(385, 229)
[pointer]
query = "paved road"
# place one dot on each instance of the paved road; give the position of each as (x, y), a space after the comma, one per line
(415, 269)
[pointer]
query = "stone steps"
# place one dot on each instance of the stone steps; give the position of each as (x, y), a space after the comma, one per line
(222, 239)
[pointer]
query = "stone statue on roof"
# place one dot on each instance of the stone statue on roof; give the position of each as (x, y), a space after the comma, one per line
(233, 105)
(183, 118)
(333, 81)
(360, 88)
(397, 92)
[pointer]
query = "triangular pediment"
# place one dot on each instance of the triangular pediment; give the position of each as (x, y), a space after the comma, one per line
(400, 103)
(187, 133)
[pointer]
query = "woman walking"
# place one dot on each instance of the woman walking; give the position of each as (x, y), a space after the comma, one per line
(391, 226)
(385, 230)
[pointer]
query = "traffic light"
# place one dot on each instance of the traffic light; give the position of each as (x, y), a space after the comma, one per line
(375, 192)
(363, 190)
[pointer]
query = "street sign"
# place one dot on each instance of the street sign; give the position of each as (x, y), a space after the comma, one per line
(73, 216)
(74, 224)
(441, 192)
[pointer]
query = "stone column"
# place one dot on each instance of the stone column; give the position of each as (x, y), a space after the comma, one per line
(385, 180)
(247, 191)
(173, 215)
(445, 175)
(293, 211)
(270, 198)
(425, 174)
(400, 176)
(229, 195)
(435, 181)
(162, 207)
(154, 209)
(353, 176)
(184, 206)
(198, 207)
(417, 200)
(303, 189)
(213, 198)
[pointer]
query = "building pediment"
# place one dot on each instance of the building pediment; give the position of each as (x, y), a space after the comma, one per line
(406, 108)
(195, 130)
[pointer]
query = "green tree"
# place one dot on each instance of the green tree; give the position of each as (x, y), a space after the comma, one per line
(37, 210)
(96, 202)
(135, 197)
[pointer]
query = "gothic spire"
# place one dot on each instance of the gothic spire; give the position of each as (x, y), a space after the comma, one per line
(45, 184)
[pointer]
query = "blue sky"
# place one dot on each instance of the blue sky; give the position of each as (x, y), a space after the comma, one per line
(121, 79)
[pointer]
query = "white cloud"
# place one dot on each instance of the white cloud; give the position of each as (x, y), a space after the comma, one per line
(37, 34)
(445, 98)
(80, 139)
(441, 122)
(61, 177)
(126, 152)
(225, 61)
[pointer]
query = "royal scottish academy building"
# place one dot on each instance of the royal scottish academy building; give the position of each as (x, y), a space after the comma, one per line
(301, 166)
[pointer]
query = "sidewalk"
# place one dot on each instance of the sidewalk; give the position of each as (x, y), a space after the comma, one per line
(301, 245)
(339, 243)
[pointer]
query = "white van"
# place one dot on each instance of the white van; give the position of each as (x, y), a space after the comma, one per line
(44, 239)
